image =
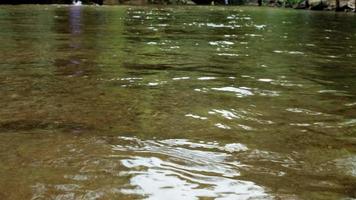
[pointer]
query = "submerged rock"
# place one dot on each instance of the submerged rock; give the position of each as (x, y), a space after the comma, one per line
(350, 4)
(338, 5)
(302, 5)
(318, 4)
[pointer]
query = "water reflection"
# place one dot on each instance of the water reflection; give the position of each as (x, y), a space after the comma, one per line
(265, 110)
(75, 20)
(99, 167)
(192, 170)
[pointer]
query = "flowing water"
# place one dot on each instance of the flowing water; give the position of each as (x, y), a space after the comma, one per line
(176, 103)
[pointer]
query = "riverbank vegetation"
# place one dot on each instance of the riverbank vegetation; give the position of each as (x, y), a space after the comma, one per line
(49, 1)
(336, 5)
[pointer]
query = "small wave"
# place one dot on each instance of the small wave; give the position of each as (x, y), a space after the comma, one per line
(240, 92)
(305, 111)
(181, 78)
(196, 116)
(206, 78)
(225, 113)
(216, 43)
(265, 80)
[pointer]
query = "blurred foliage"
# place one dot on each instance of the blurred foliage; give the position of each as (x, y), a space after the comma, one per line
(46, 1)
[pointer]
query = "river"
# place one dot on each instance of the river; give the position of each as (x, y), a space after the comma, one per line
(176, 102)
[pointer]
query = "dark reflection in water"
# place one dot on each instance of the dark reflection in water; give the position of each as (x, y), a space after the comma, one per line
(176, 102)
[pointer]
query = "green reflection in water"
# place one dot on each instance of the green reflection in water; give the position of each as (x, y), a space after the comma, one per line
(261, 102)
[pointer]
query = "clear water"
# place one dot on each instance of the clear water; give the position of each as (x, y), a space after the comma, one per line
(176, 103)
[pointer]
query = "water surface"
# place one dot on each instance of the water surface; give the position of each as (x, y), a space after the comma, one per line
(176, 103)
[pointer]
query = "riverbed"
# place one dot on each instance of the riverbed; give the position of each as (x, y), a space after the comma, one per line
(190, 102)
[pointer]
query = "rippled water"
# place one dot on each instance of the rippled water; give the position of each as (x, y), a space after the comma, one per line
(176, 103)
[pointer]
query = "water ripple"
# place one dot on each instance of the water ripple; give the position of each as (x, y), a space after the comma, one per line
(192, 170)
(240, 92)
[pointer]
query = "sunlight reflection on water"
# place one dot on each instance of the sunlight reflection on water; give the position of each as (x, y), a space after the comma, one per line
(190, 171)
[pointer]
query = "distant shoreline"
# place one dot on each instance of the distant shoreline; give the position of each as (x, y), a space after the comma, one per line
(322, 5)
